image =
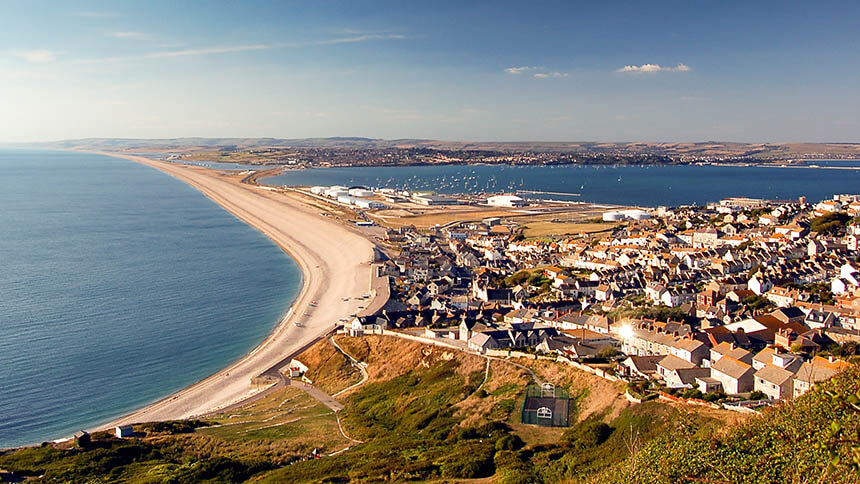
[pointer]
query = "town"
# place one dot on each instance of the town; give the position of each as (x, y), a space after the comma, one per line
(743, 302)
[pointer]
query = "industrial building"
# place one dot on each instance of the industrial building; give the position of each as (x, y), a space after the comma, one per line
(506, 201)
(632, 214)
(434, 200)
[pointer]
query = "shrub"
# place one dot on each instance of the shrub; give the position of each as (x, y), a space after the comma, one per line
(587, 435)
(691, 393)
(509, 442)
(468, 463)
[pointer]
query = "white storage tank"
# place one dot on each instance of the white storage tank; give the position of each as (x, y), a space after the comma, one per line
(332, 193)
(612, 216)
(365, 203)
(637, 214)
(360, 192)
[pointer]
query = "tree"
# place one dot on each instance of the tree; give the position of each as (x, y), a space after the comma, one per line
(829, 223)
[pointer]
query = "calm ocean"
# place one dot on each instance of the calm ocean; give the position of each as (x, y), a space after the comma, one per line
(118, 286)
(624, 185)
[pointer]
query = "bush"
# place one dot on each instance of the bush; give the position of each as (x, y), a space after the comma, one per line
(757, 395)
(469, 463)
(691, 393)
(714, 396)
(587, 435)
(509, 442)
(607, 352)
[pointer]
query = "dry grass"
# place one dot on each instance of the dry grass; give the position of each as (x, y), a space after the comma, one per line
(328, 369)
(285, 423)
(389, 357)
(503, 388)
(593, 394)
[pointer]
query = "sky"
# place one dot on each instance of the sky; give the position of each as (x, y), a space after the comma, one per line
(484, 70)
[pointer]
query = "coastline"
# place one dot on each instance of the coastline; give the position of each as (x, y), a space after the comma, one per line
(335, 264)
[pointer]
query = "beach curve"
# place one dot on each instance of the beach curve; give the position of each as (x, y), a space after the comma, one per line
(335, 264)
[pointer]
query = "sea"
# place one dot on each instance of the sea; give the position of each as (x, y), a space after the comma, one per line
(647, 186)
(119, 285)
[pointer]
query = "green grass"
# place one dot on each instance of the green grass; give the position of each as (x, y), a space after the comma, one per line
(411, 422)
(808, 440)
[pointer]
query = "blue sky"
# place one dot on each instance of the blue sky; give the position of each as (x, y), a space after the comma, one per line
(556, 71)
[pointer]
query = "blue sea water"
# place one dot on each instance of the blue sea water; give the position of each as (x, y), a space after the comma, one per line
(118, 286)
(624, 185)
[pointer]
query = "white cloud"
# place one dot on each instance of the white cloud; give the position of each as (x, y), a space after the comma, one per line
(206, 51)
(655, 68)
(360, 38)
(539, 72)
(550, 75)
(38, 56)
(519, 70)
(230, 49)
(178, 53)
(127, 35)
(94, 14)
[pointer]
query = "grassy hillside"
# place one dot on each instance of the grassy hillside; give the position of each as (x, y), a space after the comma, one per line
(433, 414)
(813, 439)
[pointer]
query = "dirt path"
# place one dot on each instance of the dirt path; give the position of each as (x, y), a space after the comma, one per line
(357, 364)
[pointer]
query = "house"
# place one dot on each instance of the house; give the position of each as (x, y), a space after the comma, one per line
(574, 348)
(781, 296)
(707, 384)
(469, 327)
(734, 375)
(816, 370)
(789, 315)
(772, 356)
(297, 369)
(124, 431)
(366, 324)
(689, 349)
(677, 373)
(520, 336)
(640, 366)
(726, 348)
(82, 438)
(759, 285)
(819, 319)
(775, 382)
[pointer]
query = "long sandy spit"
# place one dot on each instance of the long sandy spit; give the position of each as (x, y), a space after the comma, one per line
(335, 263)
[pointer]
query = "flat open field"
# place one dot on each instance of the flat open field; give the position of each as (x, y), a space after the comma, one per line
(554, 219)
(429, 217)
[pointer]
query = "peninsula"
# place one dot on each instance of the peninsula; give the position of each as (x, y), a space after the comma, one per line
(336, 268)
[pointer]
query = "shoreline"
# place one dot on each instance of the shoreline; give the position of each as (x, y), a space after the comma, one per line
(335, 264)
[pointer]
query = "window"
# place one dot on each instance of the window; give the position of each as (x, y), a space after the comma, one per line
(544, 412)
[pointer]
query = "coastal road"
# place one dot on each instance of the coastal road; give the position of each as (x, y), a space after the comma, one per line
(335, 264)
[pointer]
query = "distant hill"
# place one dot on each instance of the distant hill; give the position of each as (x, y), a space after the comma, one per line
(681, 151)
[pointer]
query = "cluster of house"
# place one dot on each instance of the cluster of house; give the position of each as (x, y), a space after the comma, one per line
(759, 292)
(729, 359)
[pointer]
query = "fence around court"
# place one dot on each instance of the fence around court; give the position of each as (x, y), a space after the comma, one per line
(546, 405)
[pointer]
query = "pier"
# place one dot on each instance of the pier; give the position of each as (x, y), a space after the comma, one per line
(539, 192)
